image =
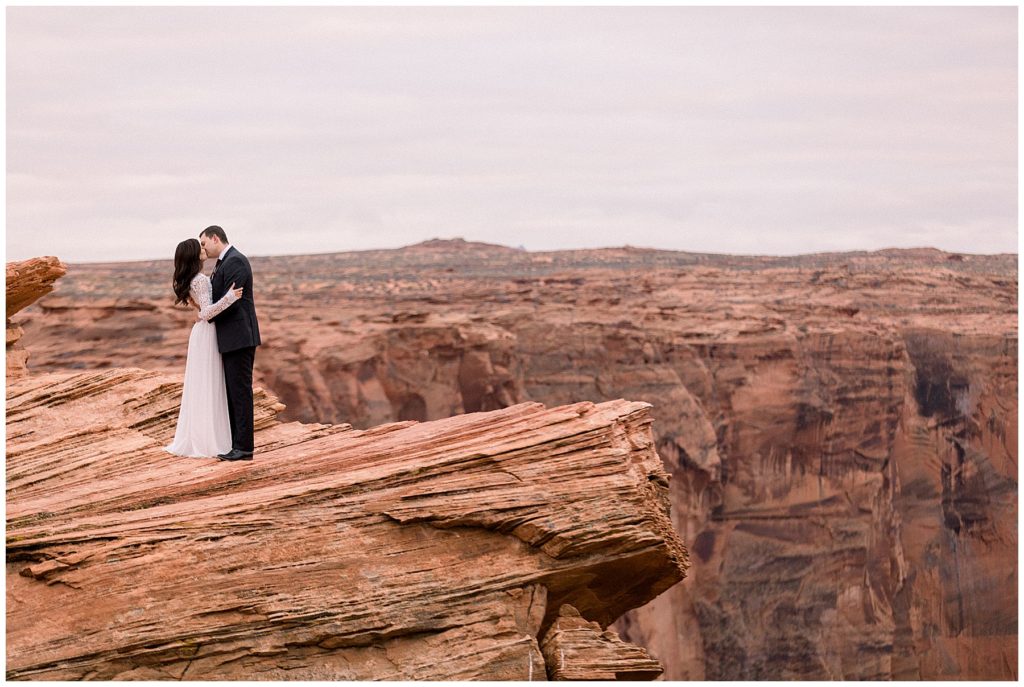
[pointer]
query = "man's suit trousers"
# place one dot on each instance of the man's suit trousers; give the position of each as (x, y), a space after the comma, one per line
(238, 380)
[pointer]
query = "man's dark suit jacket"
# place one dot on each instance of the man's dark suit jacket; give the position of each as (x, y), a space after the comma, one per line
(236, 326)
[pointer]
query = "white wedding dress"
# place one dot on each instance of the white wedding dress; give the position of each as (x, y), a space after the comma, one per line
(203, 426)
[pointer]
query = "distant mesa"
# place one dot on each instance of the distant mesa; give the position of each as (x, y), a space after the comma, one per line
(921, 252)
(459, 244)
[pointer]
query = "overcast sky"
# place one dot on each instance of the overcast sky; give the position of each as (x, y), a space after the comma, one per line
(308, 130)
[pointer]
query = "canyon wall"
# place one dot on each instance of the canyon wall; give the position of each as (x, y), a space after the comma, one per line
(840, 428)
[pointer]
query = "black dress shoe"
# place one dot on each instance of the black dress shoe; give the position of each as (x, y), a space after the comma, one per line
(237, 454)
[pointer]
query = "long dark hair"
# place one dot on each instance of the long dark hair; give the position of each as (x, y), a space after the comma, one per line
(186, 266)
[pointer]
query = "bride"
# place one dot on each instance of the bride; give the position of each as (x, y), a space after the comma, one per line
(203, 426)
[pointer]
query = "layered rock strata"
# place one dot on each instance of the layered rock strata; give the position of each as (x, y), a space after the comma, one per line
(841, 429)
(577, 649)
(436, 550)
(27, 281)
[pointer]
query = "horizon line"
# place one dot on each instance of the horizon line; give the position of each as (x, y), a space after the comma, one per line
(458, 240)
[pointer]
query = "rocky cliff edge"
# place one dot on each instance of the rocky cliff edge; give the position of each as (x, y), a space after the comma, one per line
(453, 549)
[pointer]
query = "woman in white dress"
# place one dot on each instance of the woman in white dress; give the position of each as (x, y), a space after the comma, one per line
(203, 426)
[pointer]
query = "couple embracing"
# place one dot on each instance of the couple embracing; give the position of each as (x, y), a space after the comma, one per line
(216, 414)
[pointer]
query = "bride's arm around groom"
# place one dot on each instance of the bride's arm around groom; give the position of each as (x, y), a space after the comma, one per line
(237, 326)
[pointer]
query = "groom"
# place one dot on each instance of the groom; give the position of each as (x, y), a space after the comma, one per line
(238, 335)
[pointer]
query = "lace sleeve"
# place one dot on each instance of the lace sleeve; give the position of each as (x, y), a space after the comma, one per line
(202, 293)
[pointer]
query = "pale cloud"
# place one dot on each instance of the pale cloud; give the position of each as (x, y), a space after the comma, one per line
(745, 130)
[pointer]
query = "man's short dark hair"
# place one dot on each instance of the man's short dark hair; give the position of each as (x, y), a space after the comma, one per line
(214, 230)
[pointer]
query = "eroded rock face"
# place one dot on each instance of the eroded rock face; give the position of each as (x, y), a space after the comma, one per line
(27, 281)
(840, 429)
(577, 649)
(410, 550)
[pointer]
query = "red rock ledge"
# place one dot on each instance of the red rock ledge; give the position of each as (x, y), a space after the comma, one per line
(27, 281)
(438, 550)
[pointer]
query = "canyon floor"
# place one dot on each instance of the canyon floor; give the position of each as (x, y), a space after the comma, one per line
(840, 429)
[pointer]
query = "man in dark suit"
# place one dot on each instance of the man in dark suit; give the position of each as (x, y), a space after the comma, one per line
(238, 335)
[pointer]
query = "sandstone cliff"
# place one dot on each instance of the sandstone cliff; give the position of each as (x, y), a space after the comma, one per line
(840, 428)
(27, 281)
(441, 550)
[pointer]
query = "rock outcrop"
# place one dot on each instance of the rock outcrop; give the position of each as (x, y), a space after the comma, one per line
(27, 281)
(438, 550)
(841, 429)
(577, 649)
